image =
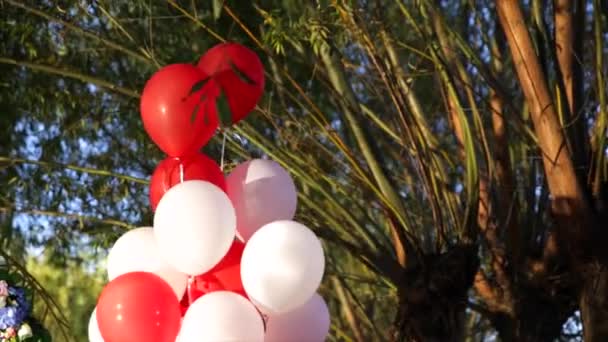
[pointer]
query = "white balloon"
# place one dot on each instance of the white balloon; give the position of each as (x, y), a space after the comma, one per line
(94, 333)
(282, 266)
(137, 250)
(222, 316)
(261, 192)
(194, 225)
(307, 323)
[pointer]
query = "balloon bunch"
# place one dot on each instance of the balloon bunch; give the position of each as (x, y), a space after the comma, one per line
(224, 260)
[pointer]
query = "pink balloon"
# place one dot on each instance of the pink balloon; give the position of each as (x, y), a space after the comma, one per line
(308, 323)
(261, 192)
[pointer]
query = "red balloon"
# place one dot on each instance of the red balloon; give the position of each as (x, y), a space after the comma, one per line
(225, 276)
(174, 170)
(178, 120)
(240, 74)
(138, 307)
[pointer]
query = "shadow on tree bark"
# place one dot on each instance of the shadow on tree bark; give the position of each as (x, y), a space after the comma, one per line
(539, 314)
(433, 296)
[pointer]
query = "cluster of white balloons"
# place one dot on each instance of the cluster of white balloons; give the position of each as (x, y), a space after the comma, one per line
(282, 266)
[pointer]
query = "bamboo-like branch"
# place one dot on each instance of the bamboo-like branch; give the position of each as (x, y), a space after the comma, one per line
(242, 25)
(71, 74)
(472, 180)
(414, 127)
(600, 170)
(338, 80)
(459, 73)
(347, 309)
(196, 20)
(427, 141)
(12, 160)
(570, 203)
(79, 218)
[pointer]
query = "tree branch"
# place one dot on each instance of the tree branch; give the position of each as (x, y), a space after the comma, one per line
(564, 36)
(570, 204)
(71, 74)
(11, 160)
(569, 84)
(338, 81)
(70, 216)
(347, 307)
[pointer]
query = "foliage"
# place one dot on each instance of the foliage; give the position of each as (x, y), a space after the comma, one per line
(75, 288)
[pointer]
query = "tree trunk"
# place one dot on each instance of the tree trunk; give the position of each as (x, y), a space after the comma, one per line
(594, 303)
(540, 312)
(532, 328)
(433, 296)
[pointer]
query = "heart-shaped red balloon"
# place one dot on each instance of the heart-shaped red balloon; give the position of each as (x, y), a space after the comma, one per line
(138, 307)
(174, 170)
(239, 73)
(175, 110)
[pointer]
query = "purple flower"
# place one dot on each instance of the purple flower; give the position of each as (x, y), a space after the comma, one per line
(19, 294)
(16, 310)
(11, 317)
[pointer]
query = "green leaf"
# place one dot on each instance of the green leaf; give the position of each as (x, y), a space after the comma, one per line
(206, 118)
(196, 87)
(194, 113)
(241, 74)
(223, 110)
(217, 8)
(205, 112)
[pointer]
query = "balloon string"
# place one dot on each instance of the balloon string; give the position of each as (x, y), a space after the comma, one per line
(223, 150)
(181, 172)
(189, 289)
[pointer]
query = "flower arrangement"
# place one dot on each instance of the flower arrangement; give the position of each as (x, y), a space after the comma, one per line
(14, 309)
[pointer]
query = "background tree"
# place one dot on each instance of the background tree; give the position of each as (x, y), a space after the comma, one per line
(452, 154)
